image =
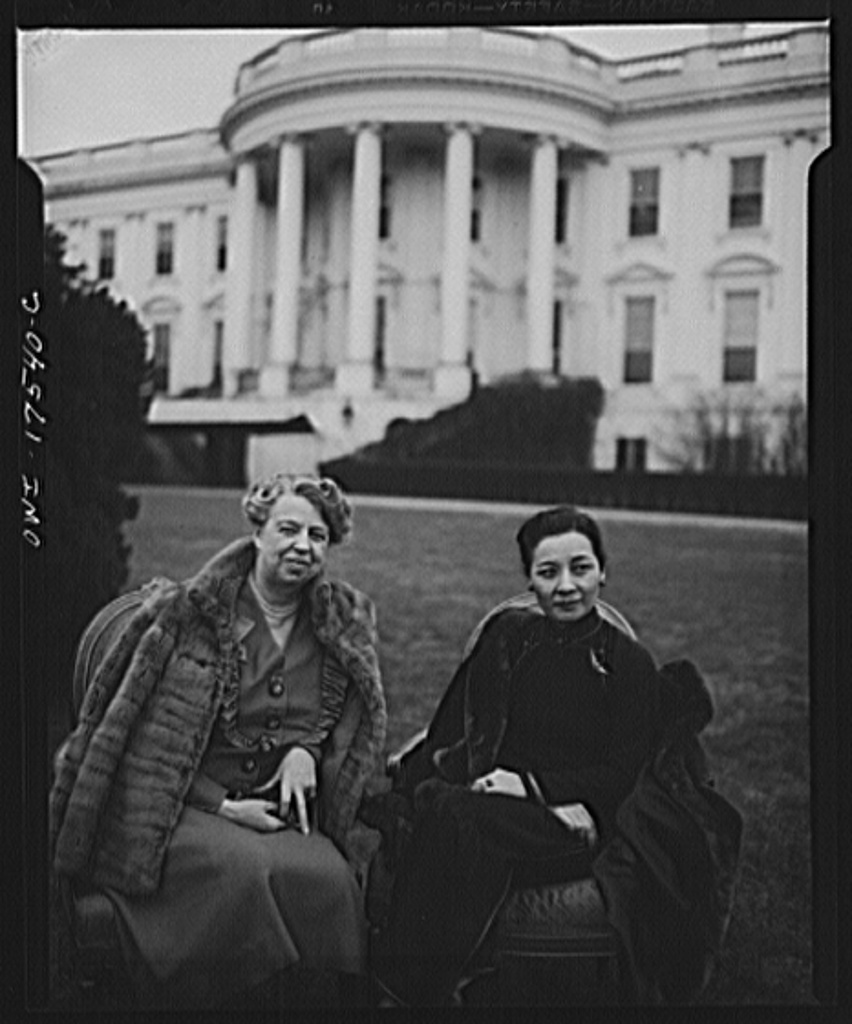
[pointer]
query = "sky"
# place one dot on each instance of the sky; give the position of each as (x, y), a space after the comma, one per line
(89, 88)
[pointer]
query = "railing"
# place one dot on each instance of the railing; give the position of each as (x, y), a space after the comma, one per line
(505, 42)
(333, 42)
(754, 49)
(419, 37)
(547, 51)
(646, 67)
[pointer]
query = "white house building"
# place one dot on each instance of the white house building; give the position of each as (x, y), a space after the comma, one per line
(381, 213)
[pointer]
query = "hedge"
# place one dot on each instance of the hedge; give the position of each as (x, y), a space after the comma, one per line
(779, 497)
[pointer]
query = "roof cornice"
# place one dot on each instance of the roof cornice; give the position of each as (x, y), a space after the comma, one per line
(578, 97)
(133, 177)
(244, 108)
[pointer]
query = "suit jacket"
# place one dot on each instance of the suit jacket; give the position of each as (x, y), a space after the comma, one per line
(168, 667)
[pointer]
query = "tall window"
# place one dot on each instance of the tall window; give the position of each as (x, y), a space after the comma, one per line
(221, 243)
(218, 351)
(165, 248)
(631, 454)
(644, 201)
(740, 357)
(561, 226)
(556, 363)
(385, 207)
(638, 340)
(379, 340)
(746, 203)
(476, 209)
(160, 361)
(106, 254)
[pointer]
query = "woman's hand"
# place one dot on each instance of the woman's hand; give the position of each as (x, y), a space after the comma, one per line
(297, 775)
(577, 817)
(500, 781)
(251, 813)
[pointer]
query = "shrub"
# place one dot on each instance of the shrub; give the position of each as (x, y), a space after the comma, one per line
(741, 434)
(521, 420)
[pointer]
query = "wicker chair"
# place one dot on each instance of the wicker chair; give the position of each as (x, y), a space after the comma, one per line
(563, 923)
(98, 961)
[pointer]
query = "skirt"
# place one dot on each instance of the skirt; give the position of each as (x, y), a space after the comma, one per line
(235, 907)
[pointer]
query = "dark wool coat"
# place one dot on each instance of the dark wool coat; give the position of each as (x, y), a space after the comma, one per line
(668, 876)
(122, 775)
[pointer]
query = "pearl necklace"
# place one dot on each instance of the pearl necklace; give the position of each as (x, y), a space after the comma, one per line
(275, 614)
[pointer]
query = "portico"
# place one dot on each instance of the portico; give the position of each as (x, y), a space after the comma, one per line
(372, 148)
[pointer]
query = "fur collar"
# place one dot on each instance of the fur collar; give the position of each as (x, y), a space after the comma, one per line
(336, 607)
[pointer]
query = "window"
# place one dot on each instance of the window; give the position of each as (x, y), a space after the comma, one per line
(631, 454)
(385, 208)
(638, 340)
(162, 341)
(221, 243)
(740, 358)
(476, 209)
(106, 254)
(561, 226)
(556, 365)
(379, 340)
(746, 207)
(218, 349)
(165, 248)
(644, 201)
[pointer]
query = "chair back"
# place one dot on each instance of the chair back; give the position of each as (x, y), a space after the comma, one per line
(528, 601)
(96, 640)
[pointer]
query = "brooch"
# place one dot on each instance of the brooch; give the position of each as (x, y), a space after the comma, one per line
(598, 660)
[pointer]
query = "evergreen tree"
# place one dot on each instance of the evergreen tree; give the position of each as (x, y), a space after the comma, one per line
(95, 350)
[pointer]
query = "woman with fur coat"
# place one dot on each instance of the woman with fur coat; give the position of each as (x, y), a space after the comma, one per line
(211, 785)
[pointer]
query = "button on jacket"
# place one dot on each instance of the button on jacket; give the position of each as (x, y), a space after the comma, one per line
(280, 707)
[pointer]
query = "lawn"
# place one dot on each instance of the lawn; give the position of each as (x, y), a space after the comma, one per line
(732, 597)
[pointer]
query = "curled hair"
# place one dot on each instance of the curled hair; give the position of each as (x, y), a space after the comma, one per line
(553, 521)
(324, 494)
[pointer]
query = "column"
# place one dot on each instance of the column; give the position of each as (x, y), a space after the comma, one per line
(275, 377)
(452, 377)
(790, 287)
(130, 261)
(87, 248)
(238, 311)
(186, 370)
(355, 375)
(540, 260)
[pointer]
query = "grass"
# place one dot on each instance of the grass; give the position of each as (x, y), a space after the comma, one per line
(732, 597)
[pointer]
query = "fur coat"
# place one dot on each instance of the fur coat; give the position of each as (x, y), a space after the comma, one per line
(152, 699)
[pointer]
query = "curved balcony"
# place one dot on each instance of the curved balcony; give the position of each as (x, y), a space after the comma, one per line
(496, 78)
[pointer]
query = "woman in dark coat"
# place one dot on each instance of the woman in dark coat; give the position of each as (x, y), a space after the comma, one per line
(212, 782)
(539, 738)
